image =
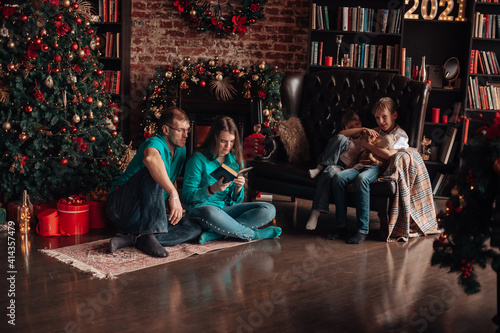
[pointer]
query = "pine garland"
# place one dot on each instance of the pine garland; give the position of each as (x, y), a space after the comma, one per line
(467, 221)
(260, 80)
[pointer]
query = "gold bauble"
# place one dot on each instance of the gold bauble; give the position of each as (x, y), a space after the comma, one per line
(69, 56)
(262, 65)
(6, 126)
(99, 104)
(116, 119)
(219, 77)
(76, 119)
(91, 138)
(193, 13)
(81, 53)
(49, 82)
(265, 112)
(211, 63)
(11, 44)
(66, 3)
(168, 74)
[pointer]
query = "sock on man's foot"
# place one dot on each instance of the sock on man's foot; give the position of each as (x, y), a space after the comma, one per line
(120, 241)
(149, 245)
(267, 233)
(357, 238)
(313, 220)
(338, 233)
(208, 236)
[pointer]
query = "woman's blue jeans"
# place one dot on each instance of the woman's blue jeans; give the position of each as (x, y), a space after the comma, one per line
(330, 159)
(138, 208)
(362, 180)
(236, 220)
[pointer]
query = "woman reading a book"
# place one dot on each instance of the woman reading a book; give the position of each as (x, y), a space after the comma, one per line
(216, 203)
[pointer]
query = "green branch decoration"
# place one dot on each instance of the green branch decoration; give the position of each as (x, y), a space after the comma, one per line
(223, 19)
(468, 219)
(259, 81)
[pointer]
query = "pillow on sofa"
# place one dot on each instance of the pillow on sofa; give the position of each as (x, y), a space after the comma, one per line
(294, 140)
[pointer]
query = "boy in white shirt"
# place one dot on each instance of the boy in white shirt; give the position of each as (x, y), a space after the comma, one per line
(385, 114)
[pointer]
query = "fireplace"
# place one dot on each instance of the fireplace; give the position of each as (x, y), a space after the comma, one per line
(203, 108)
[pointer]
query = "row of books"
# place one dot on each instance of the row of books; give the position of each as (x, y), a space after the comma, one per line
(108, 11)
(487, 1)
(362, 55)
(369, 20)
(484, 97)
(486, 25)
(442, 184)
(110, 44)
(483, 62)
(112, 79)
(320, 17)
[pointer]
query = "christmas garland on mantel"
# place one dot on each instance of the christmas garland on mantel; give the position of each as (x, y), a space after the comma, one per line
(205, 16)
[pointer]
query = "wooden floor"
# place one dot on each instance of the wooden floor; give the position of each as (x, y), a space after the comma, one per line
(298, 283)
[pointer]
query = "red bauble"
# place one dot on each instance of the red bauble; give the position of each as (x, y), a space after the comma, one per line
(58, 17)
(202, 84)
(56, 69)
(63, 129)
(95, 84)
(73, 129)
(90, 31)
(105, 163)
(63, 161)
(28, 109)
(74, 46)
(89, 99)
(57, 58)
(92, 138)
(496, 166)
(55, 45)
(235, 71)
(37, 41)
(45, 48)
(114, 134)
(99, 72)
(75, 6)
(23, 17)
(78, 20)
(23, 137)
(266, 124)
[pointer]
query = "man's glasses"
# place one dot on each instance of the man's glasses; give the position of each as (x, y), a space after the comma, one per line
(181, 130)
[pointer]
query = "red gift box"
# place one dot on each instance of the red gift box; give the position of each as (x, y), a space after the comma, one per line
(73, 218)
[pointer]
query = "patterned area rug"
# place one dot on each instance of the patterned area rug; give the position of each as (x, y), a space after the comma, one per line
(94, 258)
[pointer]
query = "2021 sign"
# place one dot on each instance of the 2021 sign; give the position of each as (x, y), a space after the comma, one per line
(429, 10)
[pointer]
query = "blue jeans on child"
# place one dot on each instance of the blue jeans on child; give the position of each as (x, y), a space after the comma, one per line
(138, 208)
(362, 179)
(330, 159)
(236, 220)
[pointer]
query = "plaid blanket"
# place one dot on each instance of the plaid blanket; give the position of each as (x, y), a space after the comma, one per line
(413, 213)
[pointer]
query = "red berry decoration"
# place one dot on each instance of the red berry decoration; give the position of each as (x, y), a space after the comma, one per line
(63, 161)
(90, 31)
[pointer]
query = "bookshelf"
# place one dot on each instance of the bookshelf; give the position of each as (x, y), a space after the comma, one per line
(483, 73)
(363, 35)
(113, 26)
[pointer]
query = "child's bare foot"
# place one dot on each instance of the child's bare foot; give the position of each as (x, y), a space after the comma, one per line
(313, 220)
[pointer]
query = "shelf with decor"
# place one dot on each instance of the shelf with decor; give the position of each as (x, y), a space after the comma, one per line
(112, 21)
(440, 32)
(483, 75)
(364, 35)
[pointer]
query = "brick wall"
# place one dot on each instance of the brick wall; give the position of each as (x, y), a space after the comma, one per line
(160, 35)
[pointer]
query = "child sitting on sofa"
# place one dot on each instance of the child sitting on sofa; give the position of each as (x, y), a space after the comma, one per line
(385, 114)
(341, 152)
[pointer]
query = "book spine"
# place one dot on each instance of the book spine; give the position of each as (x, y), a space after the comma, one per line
(313, 16)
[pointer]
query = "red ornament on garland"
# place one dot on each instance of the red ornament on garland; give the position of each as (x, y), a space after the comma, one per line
(202, 84)
(496, 166)
(63, 161)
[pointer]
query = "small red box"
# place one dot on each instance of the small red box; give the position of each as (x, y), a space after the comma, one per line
(73, 219)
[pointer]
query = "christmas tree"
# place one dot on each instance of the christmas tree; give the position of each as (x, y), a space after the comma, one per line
(58, 132)
(468, 221)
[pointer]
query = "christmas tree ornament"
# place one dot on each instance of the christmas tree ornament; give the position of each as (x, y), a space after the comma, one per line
(84, 117)
(187, 59)
(99, 72)
(63, 129)
(235, 71)
(255, 77)
(211, 63)
(202, 84)
(91, 115)
(193, 13)
(56, 45)
(496, 166)
(75, 6)
(44, 48)
(78, 20)
(74, 46)
(11, 67)
(43, 32)
(37, 41)
(23, 137)
(63, 161)
(71, 79)
(76, 119)
(57, 58)
(28, 109)
(168, 74)
(99, 104)
(6, 126)
(11, 44)
(115, 119)
(114, 134)
(81, 53)
(219, 77)
(69, 56)
(73, 129)
(89, 99)
(40, 23)
(265, 112)
(262, 65)
(23, 17)
(66, 3)
(92, 138)
(4, 32)
(49, 82)
(93, 45)
(109, 151)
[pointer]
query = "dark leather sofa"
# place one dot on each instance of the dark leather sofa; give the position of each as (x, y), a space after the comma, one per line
(319, 100)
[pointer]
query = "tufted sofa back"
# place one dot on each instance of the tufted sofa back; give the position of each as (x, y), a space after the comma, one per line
(320, 99)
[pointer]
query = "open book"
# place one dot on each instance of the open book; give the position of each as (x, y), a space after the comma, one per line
(228, 173)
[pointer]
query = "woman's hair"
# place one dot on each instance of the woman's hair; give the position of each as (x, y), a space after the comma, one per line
(385, 103)
(168, 116)
(350, 115)
(209, 147)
